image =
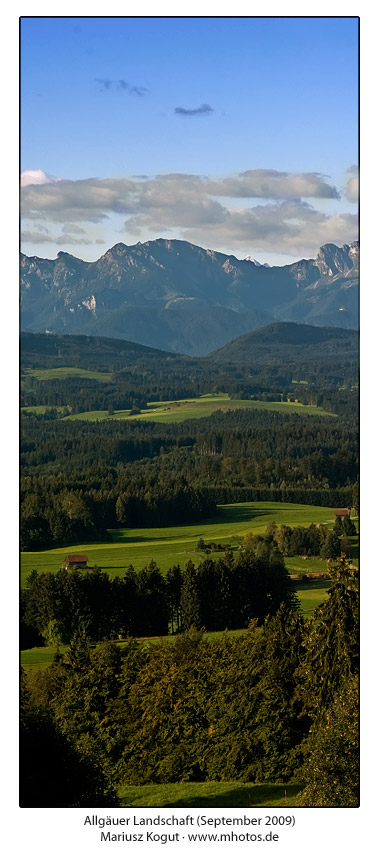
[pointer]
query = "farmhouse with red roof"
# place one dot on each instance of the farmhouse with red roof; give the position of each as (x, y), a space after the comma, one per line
(342, 512)
(75, 562)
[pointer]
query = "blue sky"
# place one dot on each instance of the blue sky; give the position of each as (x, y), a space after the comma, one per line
(238, 134)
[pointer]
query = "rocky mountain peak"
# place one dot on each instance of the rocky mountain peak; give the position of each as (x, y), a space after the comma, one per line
(256, 262)
(332, 260)
(181, 297)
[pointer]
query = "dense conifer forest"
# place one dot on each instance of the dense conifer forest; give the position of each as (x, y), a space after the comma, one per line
(80, 478)
(277, 703)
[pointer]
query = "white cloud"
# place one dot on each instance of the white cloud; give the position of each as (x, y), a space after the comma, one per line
(72, 228)
(34, 178)
(77, 200)
(267, 183)
(37, 237)
(352, 185)
(290, 228)
(197, 208)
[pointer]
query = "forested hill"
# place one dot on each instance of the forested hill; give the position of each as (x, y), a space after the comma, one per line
(49, 351)
(283, 361)
(289, 340)
(281, 341)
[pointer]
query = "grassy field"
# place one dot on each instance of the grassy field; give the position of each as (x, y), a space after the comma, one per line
(41, 656)
(168, 411)
(209, 794)
(177, 544)
(312, 595)
(172, 411)
(63, 372)
(194, 408)
(40, 408)
(300, 565)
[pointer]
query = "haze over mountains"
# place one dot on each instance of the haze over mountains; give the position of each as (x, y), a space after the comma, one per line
(178, 297)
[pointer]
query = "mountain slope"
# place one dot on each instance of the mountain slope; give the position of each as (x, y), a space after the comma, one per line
(179, 297)
(286, 341)
(47, 351)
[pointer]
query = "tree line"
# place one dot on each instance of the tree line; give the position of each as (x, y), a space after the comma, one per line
(63, 397)
(313, 541)
(74, 515)
(222, 593)
(81, 478)
(322, 451)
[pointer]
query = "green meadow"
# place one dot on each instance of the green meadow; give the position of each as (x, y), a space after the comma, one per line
(168, 411)
(177, 544)
(41, 656)
(40, 408)
(63, 372)
(312, 595)
(300, 564)
(194, 408)
(209, 794)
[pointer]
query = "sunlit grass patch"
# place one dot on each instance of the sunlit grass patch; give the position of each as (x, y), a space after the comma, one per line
(209, 794)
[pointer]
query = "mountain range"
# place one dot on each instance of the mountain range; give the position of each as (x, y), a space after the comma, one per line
(178, 297)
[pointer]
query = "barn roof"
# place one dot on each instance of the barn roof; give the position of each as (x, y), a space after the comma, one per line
(76, 559)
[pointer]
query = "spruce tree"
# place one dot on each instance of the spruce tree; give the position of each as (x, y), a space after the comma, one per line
(331, 771)
(348, 526)
(331, 644)
(189, 602)
(174, 580)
